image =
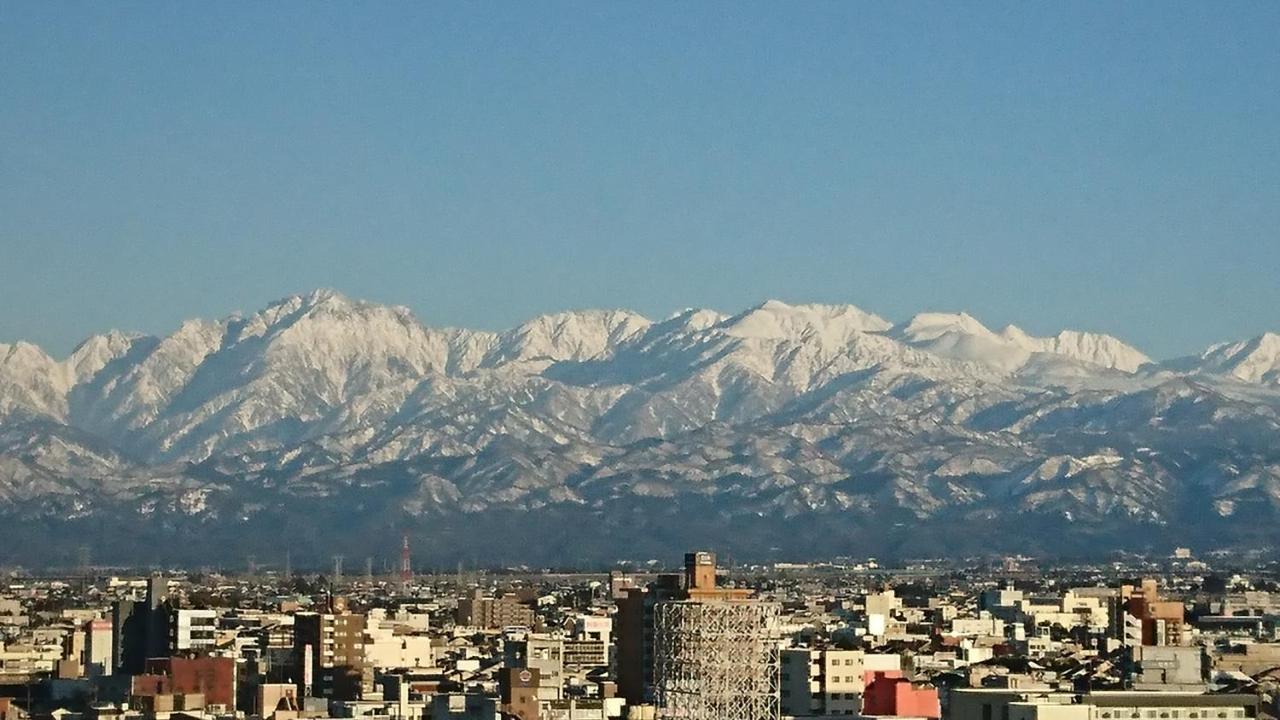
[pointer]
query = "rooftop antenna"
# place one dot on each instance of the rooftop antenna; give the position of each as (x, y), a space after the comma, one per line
(337, 569)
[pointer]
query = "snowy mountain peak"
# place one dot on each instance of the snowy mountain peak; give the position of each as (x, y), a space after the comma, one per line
(31, 382)
(580, 335)
(934, 325)
(959, 336)
(962, 337)
(828, 324)
(95, 352)
(1094, 348)
(1256, 360)
(319, 404)
(693, 319)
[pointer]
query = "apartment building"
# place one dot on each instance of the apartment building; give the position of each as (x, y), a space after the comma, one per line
(828, 681)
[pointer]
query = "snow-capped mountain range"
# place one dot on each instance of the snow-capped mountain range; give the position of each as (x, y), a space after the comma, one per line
(783, 430)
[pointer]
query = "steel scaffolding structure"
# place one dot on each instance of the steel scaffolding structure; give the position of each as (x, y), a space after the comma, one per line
(716, 660)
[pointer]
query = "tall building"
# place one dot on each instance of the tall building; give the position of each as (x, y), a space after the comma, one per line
(634, 621)
(129, 637)
(696, 649)
(157, 617)
(1139, 616)
(330, 648)
(716, 659)
(140, 630)
(99, 650)
(583, 655)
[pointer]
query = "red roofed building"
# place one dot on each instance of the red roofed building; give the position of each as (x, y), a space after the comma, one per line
(889, 693)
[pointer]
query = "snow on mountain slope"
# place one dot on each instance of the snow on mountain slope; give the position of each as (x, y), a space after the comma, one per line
(95, 353)
(1093, 348)
(31, 382)
(961, 337)
(828, 325)
(304, 366)
(778, 412)
(123, 399)
(1255, 361)
(566, 336)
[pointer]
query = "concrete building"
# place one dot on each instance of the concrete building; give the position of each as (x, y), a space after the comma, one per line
(715, 652)
(214, 678)
(519, 691)
(330, 647)
(589, 644)
(140, 630)
(388, 646)
(827, 681)
(459, 706)
(716, 660)
(1139, 616)
(99, 650)
(980, 704)
(1167, 668)
(889, 694)
(494, 613)
(192, 630)
(542, 653)
(635, 619)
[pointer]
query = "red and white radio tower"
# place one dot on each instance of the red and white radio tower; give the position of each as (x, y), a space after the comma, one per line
(406, 569)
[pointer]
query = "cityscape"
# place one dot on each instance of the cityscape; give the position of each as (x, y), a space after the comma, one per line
(1135, 638)
(657, 360)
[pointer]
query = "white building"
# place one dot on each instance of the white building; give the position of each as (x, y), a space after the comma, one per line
(193, 629)
(389, 646)
(99, 651)
(828, 682)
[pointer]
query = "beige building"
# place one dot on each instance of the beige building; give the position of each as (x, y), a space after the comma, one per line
(982, 704)
(828, 682)
(494, 613)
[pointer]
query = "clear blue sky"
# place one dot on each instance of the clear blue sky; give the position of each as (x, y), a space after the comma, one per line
(1107, 166)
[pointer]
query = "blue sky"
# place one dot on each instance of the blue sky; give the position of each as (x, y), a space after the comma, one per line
(1104, 166)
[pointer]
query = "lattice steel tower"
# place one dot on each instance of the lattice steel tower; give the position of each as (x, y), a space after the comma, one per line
(716, 660)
